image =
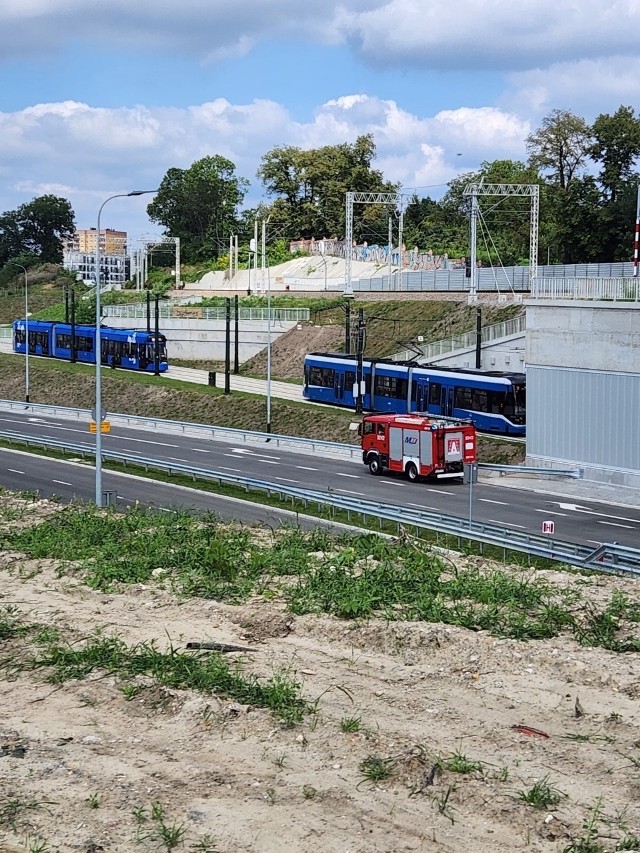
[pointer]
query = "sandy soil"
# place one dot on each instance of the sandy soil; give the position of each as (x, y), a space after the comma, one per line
(78, 762)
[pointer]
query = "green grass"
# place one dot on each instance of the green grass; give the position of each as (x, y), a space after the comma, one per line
(541, 795)
(374, 768)
(208, 673)
(357, 577)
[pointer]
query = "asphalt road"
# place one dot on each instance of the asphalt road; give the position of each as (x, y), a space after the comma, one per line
(584, 521)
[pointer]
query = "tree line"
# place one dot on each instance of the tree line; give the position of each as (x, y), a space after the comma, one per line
(586, 174)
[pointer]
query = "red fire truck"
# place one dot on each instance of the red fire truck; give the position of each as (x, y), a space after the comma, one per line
(417, 446)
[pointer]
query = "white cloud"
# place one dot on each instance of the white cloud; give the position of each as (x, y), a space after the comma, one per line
(587, 88)
(496, 34)
(88, 153)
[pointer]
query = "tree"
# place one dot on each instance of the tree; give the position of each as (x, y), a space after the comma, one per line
(200, 206)
(504, 223)
(616, 148)
(560, 147)
(38, 228)
(309, 189)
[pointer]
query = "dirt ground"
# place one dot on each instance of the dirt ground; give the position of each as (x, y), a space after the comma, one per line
(82, 764)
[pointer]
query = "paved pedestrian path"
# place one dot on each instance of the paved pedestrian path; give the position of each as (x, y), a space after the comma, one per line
(282, 390)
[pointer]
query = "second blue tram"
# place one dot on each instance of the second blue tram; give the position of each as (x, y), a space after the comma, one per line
(134, 349)
(493, 400)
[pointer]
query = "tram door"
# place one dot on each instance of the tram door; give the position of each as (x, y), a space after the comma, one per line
(446, 402)
(422, 396)
(338, 385)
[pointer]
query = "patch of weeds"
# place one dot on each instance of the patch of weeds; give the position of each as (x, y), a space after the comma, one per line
(270, 794)
(13, 812)
(374, 768)
(350, 725)
(12, 624)
(588, 842)
(37, 845)
(442, 803)
(45, 635)
(93, 801)
(541, 795)
(590, 737)
(155, 827)
(280, 760)
(130, 691)
(629, 842)
(458, 762)
(206, 844)
(206, 672)
(309, 792)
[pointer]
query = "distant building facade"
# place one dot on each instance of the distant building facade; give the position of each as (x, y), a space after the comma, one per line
(79, 256)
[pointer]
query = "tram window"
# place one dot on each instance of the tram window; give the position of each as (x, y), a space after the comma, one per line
(322, 376)
(480, 402)
(463, 398)
(390, 386)
(349, 379)
(20, 336)
(435, 392)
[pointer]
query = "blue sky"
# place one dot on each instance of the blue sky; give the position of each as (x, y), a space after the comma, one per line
(98, 98)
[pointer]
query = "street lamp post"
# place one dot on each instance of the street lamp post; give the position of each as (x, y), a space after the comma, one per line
(264, 255)
(98, 402)
(26, 331)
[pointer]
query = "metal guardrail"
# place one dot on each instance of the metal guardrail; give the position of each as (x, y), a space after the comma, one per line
(608, 557)
(573, 473)
(334, 448)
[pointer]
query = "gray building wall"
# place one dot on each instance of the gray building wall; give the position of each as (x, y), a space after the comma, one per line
(583, 388)
(205, 339)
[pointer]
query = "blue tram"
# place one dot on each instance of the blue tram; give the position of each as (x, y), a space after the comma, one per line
(493, 400)
(134, 349)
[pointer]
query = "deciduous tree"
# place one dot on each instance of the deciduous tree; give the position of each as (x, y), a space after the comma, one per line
(200, 206)
(560, 148)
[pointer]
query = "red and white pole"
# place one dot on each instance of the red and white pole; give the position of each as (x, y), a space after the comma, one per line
(636, 239)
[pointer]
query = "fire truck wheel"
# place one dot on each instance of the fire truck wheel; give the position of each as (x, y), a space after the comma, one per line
(374, 465)
(411, 472)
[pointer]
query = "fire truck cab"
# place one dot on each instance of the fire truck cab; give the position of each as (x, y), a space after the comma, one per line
(417, 446)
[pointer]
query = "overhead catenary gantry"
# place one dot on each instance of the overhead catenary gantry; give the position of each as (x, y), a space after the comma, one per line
(482, 189)
(366, 198)
(149, 246)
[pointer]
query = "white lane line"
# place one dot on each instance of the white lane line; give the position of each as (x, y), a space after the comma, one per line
(425, 506)
(267, 461)
(439, 491)
(305, 468)
(613, 524)
(507, 523)
(225, 468)
(198, 450)
(489, 501)
(353, 476)
(147, 441)
(350, 492)
(15, 471)
(62, 482)
(551, 512)
(392, 483)
(286, 479)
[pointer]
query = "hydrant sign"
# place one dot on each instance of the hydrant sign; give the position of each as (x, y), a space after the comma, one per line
(548, 527)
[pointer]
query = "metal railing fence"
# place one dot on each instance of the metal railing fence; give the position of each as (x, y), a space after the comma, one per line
(605, 557)
(197, 312)
(514, 326)
(602, 289)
